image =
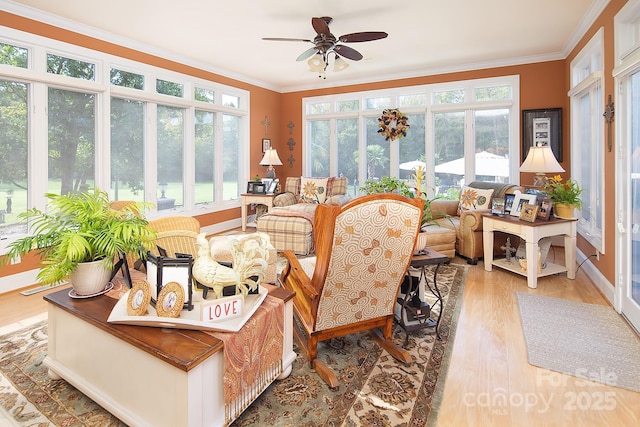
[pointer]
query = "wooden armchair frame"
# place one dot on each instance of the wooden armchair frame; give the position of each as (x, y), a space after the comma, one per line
(309, 290)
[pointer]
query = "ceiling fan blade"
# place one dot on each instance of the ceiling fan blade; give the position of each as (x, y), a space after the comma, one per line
(321, 26)
(365, 36)
(307, 54)
(285, 39)
(348, 52)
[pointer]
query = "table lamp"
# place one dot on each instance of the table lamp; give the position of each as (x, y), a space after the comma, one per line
(540, 160)
(270, 159)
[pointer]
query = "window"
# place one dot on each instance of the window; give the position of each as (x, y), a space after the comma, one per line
(66, 126)
(587, 137)
(13, 55)
(14, 183)
(465, 118)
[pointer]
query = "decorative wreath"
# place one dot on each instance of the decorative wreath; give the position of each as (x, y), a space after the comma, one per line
(393, 124)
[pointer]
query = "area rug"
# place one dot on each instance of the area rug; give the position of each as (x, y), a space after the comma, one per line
(588, 341)
(375, 389)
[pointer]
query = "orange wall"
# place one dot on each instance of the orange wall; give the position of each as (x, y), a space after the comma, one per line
(542, 85)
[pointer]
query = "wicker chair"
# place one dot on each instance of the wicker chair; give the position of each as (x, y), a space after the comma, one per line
(363, 250)
(176, 234)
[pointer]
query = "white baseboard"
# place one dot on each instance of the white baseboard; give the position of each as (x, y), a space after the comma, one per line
(601, 282)
(18, 280)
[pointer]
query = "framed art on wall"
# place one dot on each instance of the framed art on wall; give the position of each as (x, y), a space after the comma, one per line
(542, 127)
(266, 144)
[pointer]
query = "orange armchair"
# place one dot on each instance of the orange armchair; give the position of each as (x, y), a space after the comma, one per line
(363, 250)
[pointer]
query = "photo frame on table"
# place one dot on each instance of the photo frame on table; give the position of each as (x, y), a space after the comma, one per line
(529, 212)
(273, 186)
(542, 127)
(508, 202)
(267, 183)
(266, 144)
(256, 187)
(544, 208)
(497, 206)
(519, 202)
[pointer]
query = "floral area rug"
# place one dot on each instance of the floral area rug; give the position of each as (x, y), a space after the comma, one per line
(375, 389)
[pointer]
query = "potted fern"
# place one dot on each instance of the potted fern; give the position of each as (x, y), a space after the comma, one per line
(80, 237)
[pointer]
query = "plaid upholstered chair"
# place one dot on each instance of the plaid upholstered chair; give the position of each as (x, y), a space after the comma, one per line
(363, 250)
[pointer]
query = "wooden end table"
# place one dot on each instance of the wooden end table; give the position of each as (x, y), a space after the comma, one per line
(258, 199)
(412, 318)
(531, 233)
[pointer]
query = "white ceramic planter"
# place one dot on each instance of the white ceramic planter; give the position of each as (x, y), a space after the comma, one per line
(90, 277)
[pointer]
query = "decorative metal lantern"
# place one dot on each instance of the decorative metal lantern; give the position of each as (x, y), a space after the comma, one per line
(162, 270)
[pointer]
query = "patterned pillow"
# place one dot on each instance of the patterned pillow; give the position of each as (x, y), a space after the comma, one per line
(472, 199)
(313, 190)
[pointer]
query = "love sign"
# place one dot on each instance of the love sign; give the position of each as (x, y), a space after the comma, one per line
(221, 308)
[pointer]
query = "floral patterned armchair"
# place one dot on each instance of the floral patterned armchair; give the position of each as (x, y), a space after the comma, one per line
(363, 250)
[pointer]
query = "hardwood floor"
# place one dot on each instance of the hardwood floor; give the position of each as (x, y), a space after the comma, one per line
(489, 382)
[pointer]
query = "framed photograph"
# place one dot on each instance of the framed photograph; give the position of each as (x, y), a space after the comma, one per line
(256, 187)
(544, 208)
(520, 201)
(542, 127)
(529, 212)
(273, 186)
(497, 206)
(266, 144)
(267, 183)
(508, 202)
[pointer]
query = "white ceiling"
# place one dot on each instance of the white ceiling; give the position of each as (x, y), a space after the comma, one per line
(425, 36)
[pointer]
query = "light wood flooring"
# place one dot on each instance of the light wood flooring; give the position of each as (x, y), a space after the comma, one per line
(489, 381)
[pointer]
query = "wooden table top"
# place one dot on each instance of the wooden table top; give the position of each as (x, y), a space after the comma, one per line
(182, 348)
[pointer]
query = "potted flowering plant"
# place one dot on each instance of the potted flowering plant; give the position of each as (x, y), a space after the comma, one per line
(565, 195)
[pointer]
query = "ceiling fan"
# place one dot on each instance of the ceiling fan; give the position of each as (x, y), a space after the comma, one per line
(325, 43)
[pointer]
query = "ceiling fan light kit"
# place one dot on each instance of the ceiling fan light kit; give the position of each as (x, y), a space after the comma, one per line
(326, 43)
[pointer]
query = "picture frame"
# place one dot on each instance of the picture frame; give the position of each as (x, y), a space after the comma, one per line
(508, 202)
(256, 187)
(497, 206)
(267, 183)
(520, 200)
(273, 186)
(544, 208)
(529, 212)
(542, 127)
(266, 144)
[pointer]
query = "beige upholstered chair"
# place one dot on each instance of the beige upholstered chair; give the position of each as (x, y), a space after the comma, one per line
(363, 250)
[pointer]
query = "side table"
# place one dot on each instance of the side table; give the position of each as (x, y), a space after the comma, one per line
(412, 318)
(258, 199)
(531, 233)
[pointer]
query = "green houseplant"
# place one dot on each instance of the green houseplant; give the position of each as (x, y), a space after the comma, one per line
(81, 229)
(564, 195)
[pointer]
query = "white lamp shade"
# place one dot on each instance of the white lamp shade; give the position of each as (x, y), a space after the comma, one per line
(541, 160)
(270, 158)
(316, 63)
(339, 64)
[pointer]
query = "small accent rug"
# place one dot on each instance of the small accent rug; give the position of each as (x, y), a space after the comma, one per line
(375, 389)
(589, 341)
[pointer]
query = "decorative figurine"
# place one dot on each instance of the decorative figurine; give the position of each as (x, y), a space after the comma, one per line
(508, 249)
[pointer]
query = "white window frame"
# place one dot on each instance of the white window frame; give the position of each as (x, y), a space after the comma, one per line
(39, 80)
(468, 106)
(587, 78)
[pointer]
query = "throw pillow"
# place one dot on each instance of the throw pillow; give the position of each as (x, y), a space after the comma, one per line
(313, 190)
(473, 198)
